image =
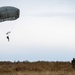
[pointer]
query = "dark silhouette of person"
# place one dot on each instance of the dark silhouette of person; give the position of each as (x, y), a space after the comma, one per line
(7, 38)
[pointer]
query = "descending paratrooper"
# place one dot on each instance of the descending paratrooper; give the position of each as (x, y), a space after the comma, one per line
(8, 13)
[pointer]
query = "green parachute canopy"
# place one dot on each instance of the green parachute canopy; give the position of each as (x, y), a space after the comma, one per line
(8, 13)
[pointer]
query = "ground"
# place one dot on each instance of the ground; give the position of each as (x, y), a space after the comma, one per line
(36, 68)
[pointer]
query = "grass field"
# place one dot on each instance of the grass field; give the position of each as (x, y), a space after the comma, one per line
(36, 68)
(41, 73)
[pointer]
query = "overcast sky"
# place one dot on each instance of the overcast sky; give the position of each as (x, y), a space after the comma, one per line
(45, 31)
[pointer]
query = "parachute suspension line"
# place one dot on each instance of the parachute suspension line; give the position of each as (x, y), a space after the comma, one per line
(7, 30)
(12, 27)
(7, 33)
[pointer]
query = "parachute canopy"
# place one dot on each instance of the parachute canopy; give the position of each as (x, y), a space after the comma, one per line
(8, 13)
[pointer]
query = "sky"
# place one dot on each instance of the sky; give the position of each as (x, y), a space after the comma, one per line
(44, 31)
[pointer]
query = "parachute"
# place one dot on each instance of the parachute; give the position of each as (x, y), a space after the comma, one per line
(8, 13)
